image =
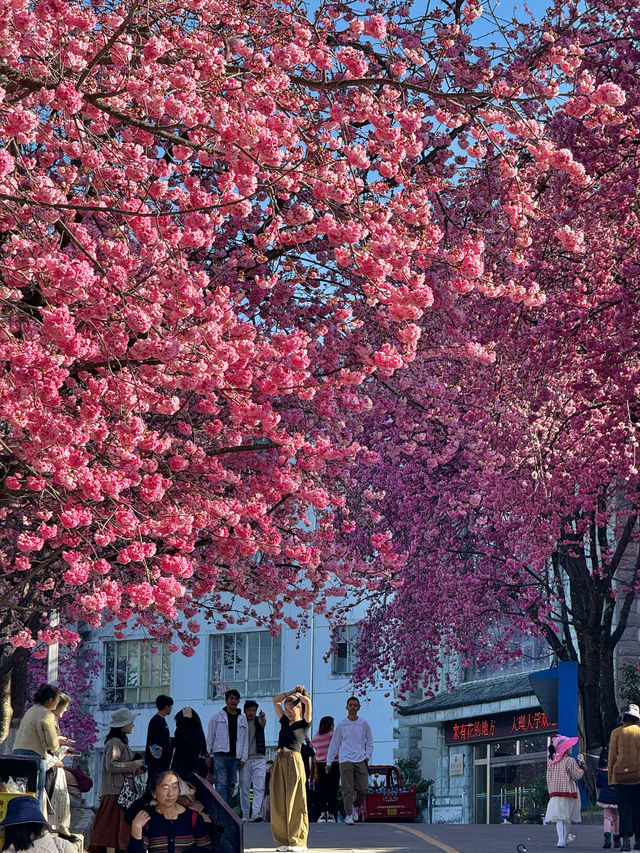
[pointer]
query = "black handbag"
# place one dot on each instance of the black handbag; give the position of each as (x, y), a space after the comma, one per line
(129, 792)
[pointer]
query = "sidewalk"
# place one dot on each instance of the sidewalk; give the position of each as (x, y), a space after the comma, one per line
(428, 838)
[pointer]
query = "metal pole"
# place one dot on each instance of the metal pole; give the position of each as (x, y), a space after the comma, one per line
(311, 668)
(54, 651)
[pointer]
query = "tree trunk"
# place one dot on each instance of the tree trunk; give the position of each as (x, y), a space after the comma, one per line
(13, 688)
(6, 711)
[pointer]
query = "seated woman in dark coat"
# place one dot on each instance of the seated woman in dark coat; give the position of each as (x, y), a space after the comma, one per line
(166, 826)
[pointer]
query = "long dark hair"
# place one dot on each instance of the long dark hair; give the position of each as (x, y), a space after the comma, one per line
(116, 732)
(45, 692)
(22, 835)
(552, 751)
(189, 732)
(325, 726)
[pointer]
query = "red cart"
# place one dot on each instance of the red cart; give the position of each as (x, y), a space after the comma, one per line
(387, 797)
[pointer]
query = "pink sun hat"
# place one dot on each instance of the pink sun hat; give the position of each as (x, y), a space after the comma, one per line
(562, 744)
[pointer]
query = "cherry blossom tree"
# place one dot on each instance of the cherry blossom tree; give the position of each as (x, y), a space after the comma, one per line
(508, 468)
(217, 223)
(77, 672)
(221, 223)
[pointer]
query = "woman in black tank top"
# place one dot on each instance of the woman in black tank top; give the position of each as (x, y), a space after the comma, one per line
(289, 818)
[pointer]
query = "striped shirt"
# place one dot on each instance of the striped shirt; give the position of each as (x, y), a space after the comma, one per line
(321, 745)
(186, 832)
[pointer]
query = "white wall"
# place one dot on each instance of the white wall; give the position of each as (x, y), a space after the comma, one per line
(302, 662)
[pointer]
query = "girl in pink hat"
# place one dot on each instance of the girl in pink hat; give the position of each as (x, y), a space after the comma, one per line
(563, 772)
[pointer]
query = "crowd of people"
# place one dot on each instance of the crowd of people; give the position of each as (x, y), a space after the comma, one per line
(617, 782)
(302, 782)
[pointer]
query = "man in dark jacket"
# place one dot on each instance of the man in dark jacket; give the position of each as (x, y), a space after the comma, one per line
(157, 754)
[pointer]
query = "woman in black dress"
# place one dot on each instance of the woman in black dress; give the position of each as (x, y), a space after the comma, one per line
(289, 818)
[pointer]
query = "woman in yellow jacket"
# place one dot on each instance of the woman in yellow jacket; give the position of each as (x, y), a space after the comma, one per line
(624, 773)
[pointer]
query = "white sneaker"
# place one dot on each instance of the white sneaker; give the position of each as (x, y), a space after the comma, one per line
(321, 819)
(331, 819)
(349, 820)
(571, 837)
(301, 849)
(355, 814)
(282, 849)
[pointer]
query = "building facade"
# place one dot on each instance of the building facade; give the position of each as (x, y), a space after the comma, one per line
(248, 658)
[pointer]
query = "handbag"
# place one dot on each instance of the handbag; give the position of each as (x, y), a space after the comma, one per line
(129, 792)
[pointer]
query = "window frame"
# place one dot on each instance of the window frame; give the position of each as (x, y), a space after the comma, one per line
(253, 677)
(143, 666)
(347, 636)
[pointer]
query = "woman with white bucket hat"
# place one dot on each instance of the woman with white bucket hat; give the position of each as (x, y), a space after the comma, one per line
(110, 830)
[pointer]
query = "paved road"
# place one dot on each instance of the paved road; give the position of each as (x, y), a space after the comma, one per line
(427, 838)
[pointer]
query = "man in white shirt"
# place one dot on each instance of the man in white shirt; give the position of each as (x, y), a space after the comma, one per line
(352, 745)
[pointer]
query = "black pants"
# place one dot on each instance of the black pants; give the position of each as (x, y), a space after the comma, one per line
(327, 789)
(629, 806)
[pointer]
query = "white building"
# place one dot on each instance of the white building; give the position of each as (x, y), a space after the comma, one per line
(247, 658)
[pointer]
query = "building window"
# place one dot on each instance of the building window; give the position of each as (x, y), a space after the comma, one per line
(135, 673)
(343, 659)
(248, 661)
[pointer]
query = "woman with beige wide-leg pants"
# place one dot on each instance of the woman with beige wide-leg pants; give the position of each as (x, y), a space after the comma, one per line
(289, 818)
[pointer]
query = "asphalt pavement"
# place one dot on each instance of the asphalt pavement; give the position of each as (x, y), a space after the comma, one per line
(428, 838)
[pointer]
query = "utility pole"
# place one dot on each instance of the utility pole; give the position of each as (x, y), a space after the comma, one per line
(54, 651)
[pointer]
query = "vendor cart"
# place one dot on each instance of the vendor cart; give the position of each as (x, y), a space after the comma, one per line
(17, 771)
(388, 798)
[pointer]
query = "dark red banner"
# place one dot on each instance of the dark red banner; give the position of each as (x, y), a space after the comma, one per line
(496, 726)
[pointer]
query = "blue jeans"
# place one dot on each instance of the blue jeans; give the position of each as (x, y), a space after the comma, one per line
(225, 771)
(31, 753)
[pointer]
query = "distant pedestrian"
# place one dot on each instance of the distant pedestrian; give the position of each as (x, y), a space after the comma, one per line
(608, 802)
(37, 734)
(328, 773)
(624, 774)
(252, 773)
(189, 745)
(227, 741)
(563, 773)
(110, 830)
(352, 745)
(308, 756)
(158, 750)
(289, 816)
(266, 802)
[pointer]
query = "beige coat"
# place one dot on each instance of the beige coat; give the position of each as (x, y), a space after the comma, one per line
(37, 731)
(117, 762)
(624, 755)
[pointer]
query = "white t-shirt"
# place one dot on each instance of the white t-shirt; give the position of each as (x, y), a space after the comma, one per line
(352, 741)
